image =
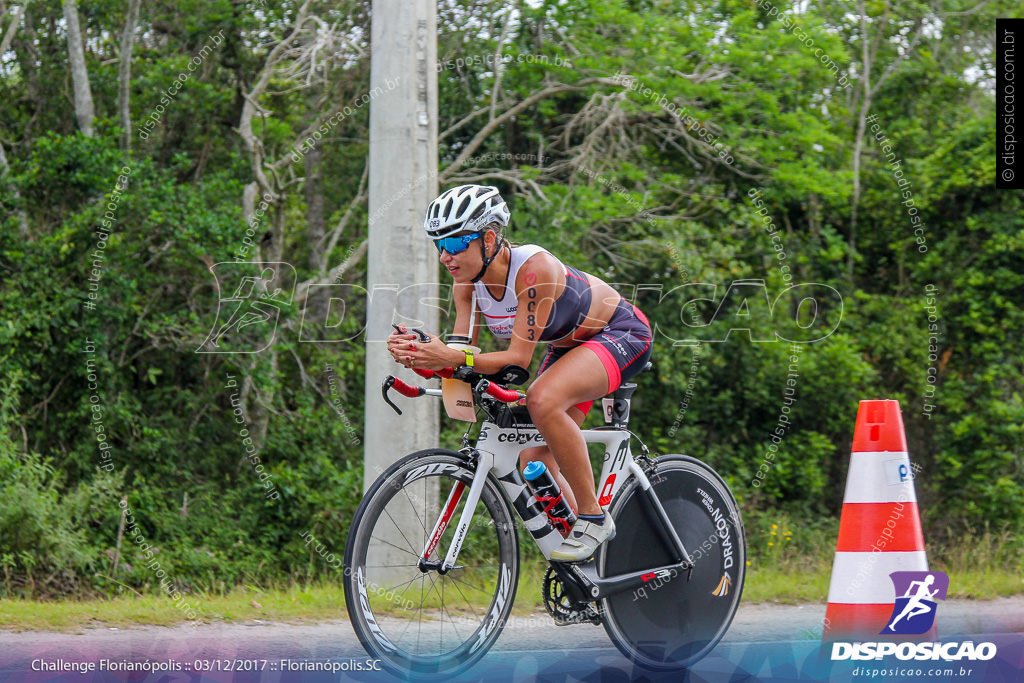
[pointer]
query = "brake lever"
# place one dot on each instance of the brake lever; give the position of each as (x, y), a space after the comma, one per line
(389, 382)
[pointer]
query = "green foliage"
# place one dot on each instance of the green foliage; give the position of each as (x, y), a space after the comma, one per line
(657, 125)
(51, 539)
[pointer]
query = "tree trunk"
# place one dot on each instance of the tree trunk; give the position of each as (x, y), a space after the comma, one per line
(858, 147)
(869, 55)
(315, 223)
(272, 247)
(124, 74)
(84, 111)
(867, 60)
(19, 214)
(29, 45)
(5, 44)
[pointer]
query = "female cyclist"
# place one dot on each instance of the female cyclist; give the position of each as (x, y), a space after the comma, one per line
(596, 339)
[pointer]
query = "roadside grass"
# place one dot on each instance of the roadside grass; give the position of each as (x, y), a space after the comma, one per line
(791, 562)
(788, 566)
(289, 604)
(788, 560)
(807, 580)
(770, 584)
(982, 564)
(244, 604)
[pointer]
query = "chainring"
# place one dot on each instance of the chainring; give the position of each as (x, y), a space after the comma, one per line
(562, 608)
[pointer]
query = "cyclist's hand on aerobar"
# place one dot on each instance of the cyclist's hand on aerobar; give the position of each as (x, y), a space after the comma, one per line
(408, 350)
(398, 342)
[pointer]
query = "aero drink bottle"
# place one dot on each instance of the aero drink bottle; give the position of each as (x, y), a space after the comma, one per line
(549, 495)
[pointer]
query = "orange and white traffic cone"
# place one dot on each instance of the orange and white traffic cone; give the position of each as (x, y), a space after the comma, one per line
(879, 530)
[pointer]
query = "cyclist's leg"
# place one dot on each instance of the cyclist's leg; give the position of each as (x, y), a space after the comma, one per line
(586, 372)
(578, 376)
(543, 454)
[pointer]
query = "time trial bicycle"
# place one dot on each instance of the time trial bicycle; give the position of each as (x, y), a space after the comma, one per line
(432, 559)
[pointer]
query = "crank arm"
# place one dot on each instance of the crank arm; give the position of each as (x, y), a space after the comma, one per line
(602, 588)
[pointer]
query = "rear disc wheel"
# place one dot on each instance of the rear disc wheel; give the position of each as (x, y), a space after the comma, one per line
(672, 622)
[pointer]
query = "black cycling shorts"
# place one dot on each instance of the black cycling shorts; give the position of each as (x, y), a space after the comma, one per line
(624, 347)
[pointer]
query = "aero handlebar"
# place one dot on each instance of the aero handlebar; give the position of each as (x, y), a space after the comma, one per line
(499, 392)
(484, 386)
(402, 388)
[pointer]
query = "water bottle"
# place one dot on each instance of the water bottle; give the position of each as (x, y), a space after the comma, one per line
(549, 495)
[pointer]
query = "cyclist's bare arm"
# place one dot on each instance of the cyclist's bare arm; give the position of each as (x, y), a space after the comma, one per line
(537, 284)
(463, 295)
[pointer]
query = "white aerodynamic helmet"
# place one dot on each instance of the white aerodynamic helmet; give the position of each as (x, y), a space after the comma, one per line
(465, 208)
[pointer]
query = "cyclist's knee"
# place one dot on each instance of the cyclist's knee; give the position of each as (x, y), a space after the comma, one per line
(541, 401)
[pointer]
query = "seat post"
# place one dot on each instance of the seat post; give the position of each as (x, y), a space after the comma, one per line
(616, 407)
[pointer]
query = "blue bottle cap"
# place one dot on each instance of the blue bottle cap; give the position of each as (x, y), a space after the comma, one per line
(534, 470)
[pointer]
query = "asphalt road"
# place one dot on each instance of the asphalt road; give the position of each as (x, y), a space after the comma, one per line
(529, 645)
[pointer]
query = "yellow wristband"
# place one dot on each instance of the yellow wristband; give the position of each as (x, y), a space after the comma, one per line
(469, 358)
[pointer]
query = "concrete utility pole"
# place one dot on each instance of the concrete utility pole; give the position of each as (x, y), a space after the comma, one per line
(403, 180)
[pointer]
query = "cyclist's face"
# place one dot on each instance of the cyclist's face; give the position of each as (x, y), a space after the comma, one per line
(464, 265)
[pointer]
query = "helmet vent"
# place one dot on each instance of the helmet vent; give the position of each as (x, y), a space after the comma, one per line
(466, 207)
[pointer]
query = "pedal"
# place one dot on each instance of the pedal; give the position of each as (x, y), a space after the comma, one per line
(589, 615)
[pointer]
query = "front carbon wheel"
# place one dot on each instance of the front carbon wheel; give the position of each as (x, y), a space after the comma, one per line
(417, 620)
(675, 620)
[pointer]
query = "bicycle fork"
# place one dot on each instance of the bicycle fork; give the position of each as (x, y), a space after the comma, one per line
(483, 466)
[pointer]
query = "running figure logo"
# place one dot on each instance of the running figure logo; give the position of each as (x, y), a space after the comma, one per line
(247, 317)
(916, 592)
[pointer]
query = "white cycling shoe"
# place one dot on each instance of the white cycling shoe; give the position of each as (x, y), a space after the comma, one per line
(583, 540)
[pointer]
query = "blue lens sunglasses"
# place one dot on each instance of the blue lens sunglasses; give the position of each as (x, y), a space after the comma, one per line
(455, 245)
